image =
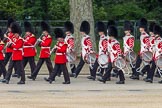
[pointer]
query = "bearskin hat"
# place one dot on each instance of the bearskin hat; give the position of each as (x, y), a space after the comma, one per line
(68, 26)
(45, 26)
(128, 26)
(59, 33)
(15, 28)
(151, 26)
(113, 31)
(110, 22)
(10, 20)
(157, 30)
(143, 23)
(85, 27)
(101, 27)
(28, 27)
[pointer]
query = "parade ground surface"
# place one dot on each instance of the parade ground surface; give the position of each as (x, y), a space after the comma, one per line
(81, 93)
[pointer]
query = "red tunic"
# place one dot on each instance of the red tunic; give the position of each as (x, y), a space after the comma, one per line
(1, 50)
(17, 47)
(10, 36)
(28, 48)
(60, 57)
(45, 46)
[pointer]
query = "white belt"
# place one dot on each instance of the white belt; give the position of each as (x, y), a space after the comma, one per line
(45, 47)
(17, 49)
(60, 53)
(28, 46)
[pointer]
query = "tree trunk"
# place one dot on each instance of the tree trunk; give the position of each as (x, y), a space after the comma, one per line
(81, 10)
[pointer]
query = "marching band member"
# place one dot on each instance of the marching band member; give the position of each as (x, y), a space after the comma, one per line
(17, 55)
(115, 52)
(8, 51)
(101, 70)
(86, 46)
(2, 65)
(150, 75)
(45, 43)
(145, 44)
(69, 40)
(158, 48)
(101, 29)
(60, 58)
(29, 48)
(128, 40)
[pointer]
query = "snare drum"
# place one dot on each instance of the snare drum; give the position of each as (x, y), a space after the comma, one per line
(158, 61)
(90, 58)
(71, 57)
(147, 56)
(131, 57)
(103, 60)
(120, 63)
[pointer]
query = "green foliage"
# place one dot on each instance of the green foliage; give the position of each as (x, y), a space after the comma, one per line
(59, 9)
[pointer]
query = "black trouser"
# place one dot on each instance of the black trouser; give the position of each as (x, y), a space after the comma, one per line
(152, 70)
(101, 70)
(19, 65)
(72, 67)
(95, 67)
(137, 65)
(39, 64)
(56, 69)
(2, 68)
(31, 63)
(7, 58)
(80, 66)
(108, 71)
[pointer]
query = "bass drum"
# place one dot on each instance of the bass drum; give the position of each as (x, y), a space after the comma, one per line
(103, 60)
(120, 63)
(147, 56)
(71, 57)
(90, 58)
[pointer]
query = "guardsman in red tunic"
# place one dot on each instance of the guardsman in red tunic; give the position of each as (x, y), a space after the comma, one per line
(69, 40)
(44, 43)
(114, 51)
(8, 51)
(86, 46)
(2, 65)
(17, 54)
(101, 30)
(145, 46)
(60, 58)
(29, 48)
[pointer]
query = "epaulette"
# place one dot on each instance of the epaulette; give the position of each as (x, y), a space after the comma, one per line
(32, 35)
(49, 36)
(2, 42)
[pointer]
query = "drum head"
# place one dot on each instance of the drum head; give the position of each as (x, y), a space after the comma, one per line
(103, 59)
(131, 57)
(147, 56)
(120, 63)
(159, 62)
